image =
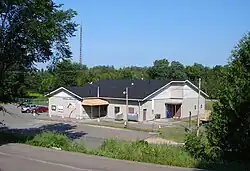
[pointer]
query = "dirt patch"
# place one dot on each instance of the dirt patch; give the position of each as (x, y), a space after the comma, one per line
(158, 140)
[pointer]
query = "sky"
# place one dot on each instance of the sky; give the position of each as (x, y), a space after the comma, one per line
(138, 32)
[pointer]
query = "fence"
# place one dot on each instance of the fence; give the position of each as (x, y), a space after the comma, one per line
(37, 101)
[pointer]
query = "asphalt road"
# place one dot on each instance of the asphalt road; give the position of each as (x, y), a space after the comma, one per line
(18, 157)
(92, 136)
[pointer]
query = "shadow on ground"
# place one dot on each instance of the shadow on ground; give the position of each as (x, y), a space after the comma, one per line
(9, 135)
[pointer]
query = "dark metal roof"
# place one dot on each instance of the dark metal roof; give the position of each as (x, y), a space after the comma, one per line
(115, 88)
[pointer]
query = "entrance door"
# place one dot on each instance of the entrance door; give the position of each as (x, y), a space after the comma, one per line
(173, 110)
(169, 111)
(144, 114)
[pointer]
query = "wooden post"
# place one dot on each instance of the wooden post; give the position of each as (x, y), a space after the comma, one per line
(91, 115)
(190, 120)
(198, 109)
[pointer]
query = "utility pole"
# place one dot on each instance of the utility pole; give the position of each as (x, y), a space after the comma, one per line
(80, 59)
(126, 118)
(198, 109)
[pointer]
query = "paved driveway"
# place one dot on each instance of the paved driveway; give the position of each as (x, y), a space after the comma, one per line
(17, 157)
(93, 136)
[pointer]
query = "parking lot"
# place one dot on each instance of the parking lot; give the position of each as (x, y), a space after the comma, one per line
(92, 136)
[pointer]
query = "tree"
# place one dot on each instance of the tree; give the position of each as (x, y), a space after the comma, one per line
(159, 70)
(66, 73)
(30, 32)
(229, 130)
(176, 71)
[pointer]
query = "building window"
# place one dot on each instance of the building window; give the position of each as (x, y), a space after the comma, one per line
(201, 106)
(53, 107)
(131, 110)
(194, 107)
(117, 109)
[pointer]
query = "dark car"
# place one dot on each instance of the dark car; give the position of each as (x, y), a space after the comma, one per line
(41, 109)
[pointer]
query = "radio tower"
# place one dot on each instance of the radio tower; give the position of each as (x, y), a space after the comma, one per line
(80, 61)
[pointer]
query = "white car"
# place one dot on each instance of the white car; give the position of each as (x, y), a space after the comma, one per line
(28, 108)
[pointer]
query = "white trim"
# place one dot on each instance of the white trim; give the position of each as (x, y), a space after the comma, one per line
(62, 88)
(113, 98)
(157, 90)
(186, 81)
(197, 88)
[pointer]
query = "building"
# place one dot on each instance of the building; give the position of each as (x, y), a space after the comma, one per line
(147, 100)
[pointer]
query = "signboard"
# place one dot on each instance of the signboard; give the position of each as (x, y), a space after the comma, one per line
(60, 108)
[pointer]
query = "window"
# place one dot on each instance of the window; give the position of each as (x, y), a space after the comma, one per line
(117, 109)
(201, 106)
(131, 110)
(53, 107)
(194, 107)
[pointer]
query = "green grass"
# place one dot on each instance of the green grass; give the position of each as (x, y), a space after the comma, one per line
(176, 134)
(139, 151)
(120, 125)
(193, 122)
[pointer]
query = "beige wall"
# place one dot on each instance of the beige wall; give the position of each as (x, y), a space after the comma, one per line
(148, 106)
(71, 107)
(122, 105)
(175, 93)
(190, 102)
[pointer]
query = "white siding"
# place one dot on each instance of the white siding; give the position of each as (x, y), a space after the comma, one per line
(174, 94)
(71, 106)
(190, 102)
(62, 94)
(122, 105)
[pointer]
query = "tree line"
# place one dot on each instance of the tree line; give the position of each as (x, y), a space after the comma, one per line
(67, 73)
(32, 30)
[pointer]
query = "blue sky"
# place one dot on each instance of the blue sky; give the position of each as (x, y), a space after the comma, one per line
(137, 32)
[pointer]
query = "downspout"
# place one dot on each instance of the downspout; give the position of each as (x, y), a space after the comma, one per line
(139, 111)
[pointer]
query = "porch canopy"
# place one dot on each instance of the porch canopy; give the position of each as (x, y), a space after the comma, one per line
(174, 101)
(94, 102)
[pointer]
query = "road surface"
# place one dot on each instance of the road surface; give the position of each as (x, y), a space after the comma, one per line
(19, 157)
(92, 136)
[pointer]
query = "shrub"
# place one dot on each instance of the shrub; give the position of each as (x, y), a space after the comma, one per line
(199, 147)
(51, 139)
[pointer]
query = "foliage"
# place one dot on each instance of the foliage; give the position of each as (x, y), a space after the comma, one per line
(136, 151)
(30, 32)
(199, 147)
(50, 139)
(66, 73)
(34, 95)
(142, 151)
(229, 130)
(53, 139)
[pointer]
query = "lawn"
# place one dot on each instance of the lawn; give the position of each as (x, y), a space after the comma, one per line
(175, 133)
(120, 125)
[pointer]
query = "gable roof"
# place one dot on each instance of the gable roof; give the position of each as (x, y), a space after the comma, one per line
(115, 88)
(140, 90)
(64, 89)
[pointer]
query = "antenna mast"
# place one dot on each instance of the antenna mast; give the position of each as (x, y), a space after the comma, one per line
(80, 61)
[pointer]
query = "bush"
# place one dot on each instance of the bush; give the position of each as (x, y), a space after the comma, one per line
(53, 139)
(142, 151)
(50, 139)
(199, 147)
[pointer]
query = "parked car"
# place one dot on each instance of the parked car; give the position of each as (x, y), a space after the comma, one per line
(28, 108)
(41, 109)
